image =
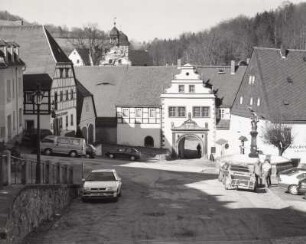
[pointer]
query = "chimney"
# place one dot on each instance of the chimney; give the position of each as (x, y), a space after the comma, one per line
(283, 51)
(233, 67)
(5, 54)
(179, 63)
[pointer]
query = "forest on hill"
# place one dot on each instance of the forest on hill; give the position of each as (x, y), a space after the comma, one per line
(233, 39)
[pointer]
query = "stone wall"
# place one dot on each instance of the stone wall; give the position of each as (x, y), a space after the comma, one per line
(33, 205)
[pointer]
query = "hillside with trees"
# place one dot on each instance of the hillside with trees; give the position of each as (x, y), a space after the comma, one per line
(234, 39)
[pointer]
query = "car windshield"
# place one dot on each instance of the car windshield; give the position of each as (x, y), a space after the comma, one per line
(101, 176)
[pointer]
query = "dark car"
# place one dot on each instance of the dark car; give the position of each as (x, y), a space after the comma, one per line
(129, 153)
(302, 187)
(29, 137)
(90, 151)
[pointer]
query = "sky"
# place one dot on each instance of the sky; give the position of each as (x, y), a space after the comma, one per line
(140, 20)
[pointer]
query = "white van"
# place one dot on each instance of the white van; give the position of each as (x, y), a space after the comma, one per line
(71, 146)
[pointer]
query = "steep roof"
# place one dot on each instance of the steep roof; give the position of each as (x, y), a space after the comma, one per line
(140, 58)
(142, 86)
(282, 84)
(84, 54)
(38, 49)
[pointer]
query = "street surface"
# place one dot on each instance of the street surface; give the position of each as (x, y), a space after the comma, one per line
(173, 206)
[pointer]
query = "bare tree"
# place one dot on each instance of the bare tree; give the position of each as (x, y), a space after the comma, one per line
(90, 37)
(279, 135)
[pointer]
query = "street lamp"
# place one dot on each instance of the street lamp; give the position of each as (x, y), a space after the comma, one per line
(38, 96)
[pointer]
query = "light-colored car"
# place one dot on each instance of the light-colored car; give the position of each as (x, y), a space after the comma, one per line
(290, 179)
(101, 184)
(71, 146)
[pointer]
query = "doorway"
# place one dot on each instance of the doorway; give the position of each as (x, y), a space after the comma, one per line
(190, 146)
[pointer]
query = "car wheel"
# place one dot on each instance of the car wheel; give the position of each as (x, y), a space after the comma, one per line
(48, 151)
(73, 154)
(133, 158)
(111, 155)
(293, 189)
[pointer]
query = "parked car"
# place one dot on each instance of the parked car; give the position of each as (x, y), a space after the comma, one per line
(130, 153)
(302, 187)
(29, 137)
(290, 179)
(90, 151)
(235, 176)
(71, 146)
(100, 184)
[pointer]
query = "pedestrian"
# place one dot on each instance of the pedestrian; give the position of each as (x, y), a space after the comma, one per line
(258, 172)
(199, 150)
(266, 170)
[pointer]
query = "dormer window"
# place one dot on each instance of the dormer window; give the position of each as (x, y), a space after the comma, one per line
(251, 79)
(241, 99)
(181, 88)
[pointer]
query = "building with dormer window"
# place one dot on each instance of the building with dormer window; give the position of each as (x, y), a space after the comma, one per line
(49, 67)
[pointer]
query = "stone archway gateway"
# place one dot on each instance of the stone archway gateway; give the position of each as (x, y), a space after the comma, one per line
(189, 132)
(190, 146)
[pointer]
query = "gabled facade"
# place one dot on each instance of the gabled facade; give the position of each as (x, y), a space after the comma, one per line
(80, 57)
(274, 87)
(49, 67)
(11, 91)
(86, 113)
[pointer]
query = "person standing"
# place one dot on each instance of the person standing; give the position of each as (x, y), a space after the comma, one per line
(199, 150)
(266, 170)
(258, 172)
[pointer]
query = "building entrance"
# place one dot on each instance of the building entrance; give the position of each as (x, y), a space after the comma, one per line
(190, 146)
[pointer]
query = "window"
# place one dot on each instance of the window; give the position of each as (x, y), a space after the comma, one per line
(13, 90)
(71, 94)
(60, 123)
(61, 71)
(67, 95)
(61, 96)
(67, 72)
(125, 112)
(71, 119)
(241, 99)
(2, 131)
(181, 88)
(8, 90)
(200, 112)
(152, 113)
(138, 112)
(191, 88)
(222, 112)
(251, 101)
(20, 117)
(78, 61)
(29, 97)
(55, 100)
(181, 112)
(14, 120)
(172, 112)
(66, 121)
(258, 102)
(251, 80)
